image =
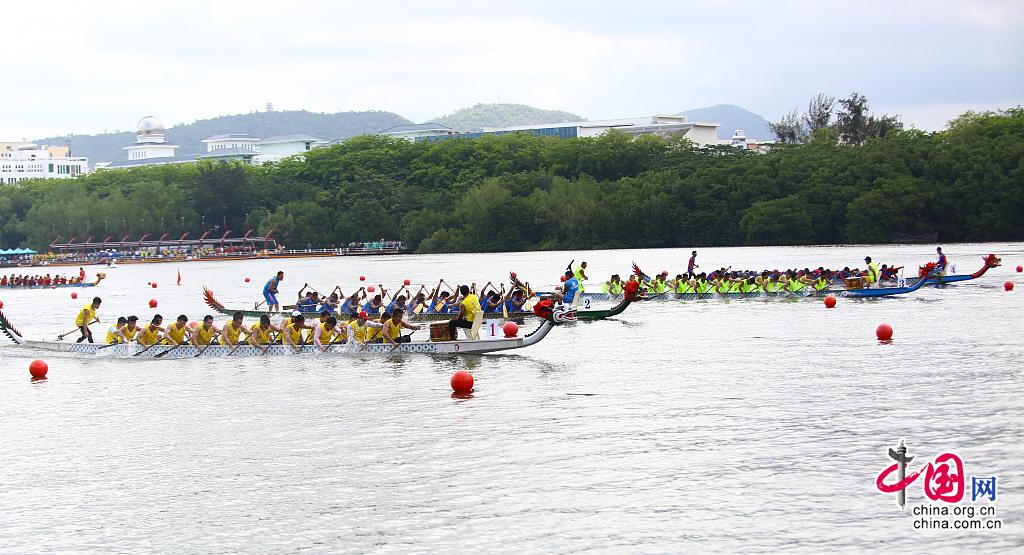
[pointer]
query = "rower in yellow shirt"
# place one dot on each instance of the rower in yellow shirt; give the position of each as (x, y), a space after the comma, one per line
(203, 334)
(232, 331)
(87, 316)
(151, 333)
(260, 334)
(293, 332)
(114, 334)
(392, 331)
(362, 330)
(176, 332)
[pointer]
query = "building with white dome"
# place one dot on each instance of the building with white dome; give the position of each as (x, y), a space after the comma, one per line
(151, 141)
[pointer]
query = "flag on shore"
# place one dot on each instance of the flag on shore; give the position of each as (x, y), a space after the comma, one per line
(179, 276)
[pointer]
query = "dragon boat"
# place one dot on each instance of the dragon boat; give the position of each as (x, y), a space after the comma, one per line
(99, 277)
(587, 314)
(460, 347)
(925, 276)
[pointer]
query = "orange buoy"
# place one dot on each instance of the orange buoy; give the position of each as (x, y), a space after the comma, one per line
(462, 382)
(371, 289)
(510, 329)
(152, 303)
(830, 301)
(74, 295)
(1008, 286)
(38, 368)
(247, 280)
(883, 332)
(407, 282)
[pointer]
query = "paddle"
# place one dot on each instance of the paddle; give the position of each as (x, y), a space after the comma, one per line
(146, 349)
(397, 345)
(158, 355)
(61, 336)
(203, 350)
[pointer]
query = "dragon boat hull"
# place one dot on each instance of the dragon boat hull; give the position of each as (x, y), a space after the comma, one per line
(586, 314)
(462, 347)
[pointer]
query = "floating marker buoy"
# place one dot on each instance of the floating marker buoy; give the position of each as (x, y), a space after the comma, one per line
(830, 301)
(883, 332)
(362, 278)
(152, 303)
(74, 295)
(510, 329)
(1008, 286)
(371, 289)
(563, 279)
(38, 368)
(462, 382)
(1, 305)
(153, 285)
(247, 280)
(408, 281)
(1020, 269)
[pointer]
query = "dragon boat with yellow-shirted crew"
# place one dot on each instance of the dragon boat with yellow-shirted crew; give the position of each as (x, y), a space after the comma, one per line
(765, 285)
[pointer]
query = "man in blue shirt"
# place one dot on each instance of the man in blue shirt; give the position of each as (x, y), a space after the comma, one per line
(270, 292)
(570, 288)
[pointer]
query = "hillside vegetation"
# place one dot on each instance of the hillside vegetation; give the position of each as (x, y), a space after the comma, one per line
(502, 115)
(521, 192)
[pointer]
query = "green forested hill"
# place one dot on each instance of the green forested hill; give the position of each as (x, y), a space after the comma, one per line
(502, 115)
(522, 192)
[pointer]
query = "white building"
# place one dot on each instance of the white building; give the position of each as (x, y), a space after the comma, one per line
(151, 141)
(20, 161)
(415, 131)
(739, 140)
(273, 149)
(702, 133)
(150, 147)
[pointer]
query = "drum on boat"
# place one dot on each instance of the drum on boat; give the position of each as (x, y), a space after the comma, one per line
(439, 331)
(855, 283)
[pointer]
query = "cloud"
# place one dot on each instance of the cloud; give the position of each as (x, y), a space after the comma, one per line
(101, 65)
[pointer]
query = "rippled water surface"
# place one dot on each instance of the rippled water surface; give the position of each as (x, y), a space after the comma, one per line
(753, 425)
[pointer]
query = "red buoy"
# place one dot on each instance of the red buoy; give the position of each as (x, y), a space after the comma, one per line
(1, 305)
(462, 382)
(247, 280)
(1020, 269)
(74, 295)
(1008, 286)
(192, 325)
(371, 289)
(153, 285)
(830, 301)
(407, 282)
(152, 303)
(563, 279)
(362, 278)
(510, 329)
(38, 368)
(883, 332)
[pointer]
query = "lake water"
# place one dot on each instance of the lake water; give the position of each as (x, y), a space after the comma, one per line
(753, 425)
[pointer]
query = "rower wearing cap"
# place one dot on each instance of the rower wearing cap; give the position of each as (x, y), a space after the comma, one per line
(872, 271)
(361, 328)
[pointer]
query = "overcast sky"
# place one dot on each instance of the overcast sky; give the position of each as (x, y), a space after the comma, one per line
(84, 67)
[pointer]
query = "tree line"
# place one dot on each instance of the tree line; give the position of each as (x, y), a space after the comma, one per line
(522, 192)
